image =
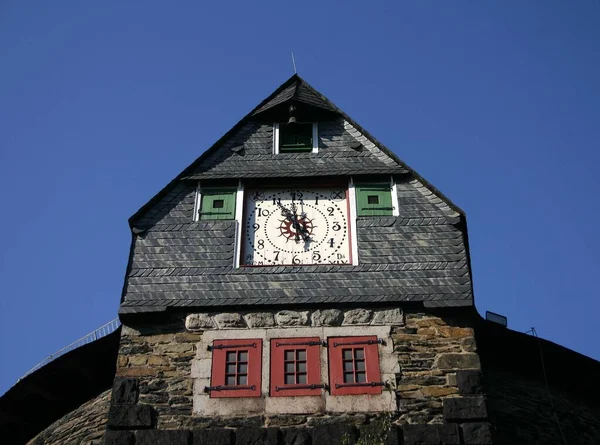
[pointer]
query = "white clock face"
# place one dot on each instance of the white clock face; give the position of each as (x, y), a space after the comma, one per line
(296, 226)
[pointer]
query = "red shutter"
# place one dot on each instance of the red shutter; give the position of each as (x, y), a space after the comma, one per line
(354, 365)
(236, 368)
(295, 366)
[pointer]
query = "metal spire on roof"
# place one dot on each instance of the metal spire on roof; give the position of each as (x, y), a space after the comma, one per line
(294, 63)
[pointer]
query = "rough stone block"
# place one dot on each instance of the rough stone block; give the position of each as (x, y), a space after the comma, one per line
(367, 435)
(477, 433)
(257, 436)
(358, 316)
(158, 361)
(198, 322)
(464, 409)
(118, 438)
(334, 433)
(451, 379)
(391, 317)
(260, 319)
(452, 360)
(287, 420)
(468, 344)
(449, 433)
(295, 436)
(125, 391)
(233, 422)
(129, 416)
(394, 436)
(231, 320)
(162, 437)
(217, 436)
(469, 382)
(435, 434)
(291, 318)
(327, 317)
(420, 435)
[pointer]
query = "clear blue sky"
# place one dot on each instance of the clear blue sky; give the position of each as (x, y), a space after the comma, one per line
(497, 103)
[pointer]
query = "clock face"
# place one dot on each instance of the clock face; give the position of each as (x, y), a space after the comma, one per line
(296, 226)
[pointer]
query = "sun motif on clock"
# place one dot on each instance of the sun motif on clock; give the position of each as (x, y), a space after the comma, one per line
(296, 226)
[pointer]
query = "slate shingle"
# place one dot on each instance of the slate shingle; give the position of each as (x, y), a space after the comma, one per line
(402, 259)
(257, 159)
(419, 256)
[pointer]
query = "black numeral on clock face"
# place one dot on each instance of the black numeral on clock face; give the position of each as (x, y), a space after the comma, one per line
(295, 227)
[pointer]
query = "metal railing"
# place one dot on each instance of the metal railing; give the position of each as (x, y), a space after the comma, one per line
(102, 331)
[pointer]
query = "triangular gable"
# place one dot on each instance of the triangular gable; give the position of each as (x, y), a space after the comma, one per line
(343, 149)
(245, 151)
(299, 91)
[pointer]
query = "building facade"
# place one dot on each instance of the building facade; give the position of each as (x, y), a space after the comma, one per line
(300, 284)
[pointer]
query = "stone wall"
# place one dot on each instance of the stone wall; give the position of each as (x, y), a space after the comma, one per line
(431, 349)
(83, 426)
(437, 383)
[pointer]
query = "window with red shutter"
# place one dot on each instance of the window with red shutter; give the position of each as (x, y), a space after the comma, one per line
(295, 367)
(236, 368)
(354, 365)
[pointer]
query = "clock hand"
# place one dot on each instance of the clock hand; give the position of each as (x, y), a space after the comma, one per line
(291, 216)
(298, 225)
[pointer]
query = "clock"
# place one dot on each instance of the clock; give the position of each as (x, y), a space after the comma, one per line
(296, 226)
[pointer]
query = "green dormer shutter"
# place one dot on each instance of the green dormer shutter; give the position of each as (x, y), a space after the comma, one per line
(374, 200)
(217, 204)
(296, 137)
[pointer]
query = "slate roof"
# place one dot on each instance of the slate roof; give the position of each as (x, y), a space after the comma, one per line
(298, 91)
(420, 256)
(252, 160)
(335, 155)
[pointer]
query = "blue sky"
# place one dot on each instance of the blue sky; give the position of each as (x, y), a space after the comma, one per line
(103, 103)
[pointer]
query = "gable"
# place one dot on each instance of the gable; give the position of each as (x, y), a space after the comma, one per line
(419, 256)
(245, 151)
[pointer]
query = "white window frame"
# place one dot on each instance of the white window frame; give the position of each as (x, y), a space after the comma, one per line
(239, 213)
(352, 222)
(197, 203)
(394, 190)
(315, 138)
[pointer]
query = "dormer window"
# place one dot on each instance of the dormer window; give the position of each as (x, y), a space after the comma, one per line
(297, 137)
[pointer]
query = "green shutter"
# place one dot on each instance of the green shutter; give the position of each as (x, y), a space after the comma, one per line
(374, 200)
(296, 137)
(217, 204)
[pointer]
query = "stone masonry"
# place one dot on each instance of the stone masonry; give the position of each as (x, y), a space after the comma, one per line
(438, 397)
(83, 426)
